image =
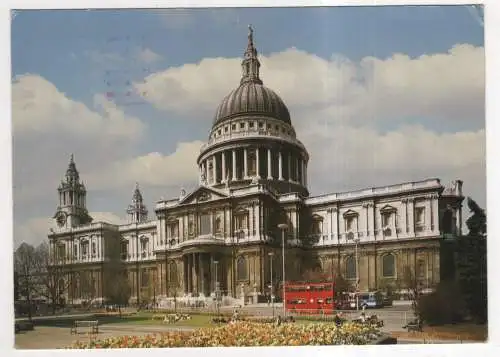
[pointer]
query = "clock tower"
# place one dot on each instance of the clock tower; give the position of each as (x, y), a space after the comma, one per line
(72, 211)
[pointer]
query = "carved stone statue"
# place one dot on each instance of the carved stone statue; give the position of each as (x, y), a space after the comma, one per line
(183, 193)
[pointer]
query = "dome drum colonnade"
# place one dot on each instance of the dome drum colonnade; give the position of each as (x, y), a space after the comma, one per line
(252, 137)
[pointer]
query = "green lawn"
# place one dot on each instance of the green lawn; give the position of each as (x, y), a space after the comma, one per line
(145, 318)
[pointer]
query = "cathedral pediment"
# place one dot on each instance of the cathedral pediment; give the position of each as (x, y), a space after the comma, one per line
(202, 194)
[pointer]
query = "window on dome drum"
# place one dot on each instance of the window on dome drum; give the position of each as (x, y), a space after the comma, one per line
(261, 125)
(251, 124)
(75, 250)
(233, 127)
(388, 266)
(269, 126)
(283, 130)
(242, 125)
(350, 268)
(419, 218)
(277, 128)
(241, 268)
(219, 132)
(205, 227)
(226, 129)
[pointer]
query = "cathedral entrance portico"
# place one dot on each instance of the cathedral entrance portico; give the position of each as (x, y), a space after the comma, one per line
(202, 269)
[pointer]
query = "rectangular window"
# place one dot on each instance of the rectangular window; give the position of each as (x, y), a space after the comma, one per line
(233, 127)
(205, 227)
(251, 124)
(242, 125)
(349, 222)
(386, 219)
(241, 221)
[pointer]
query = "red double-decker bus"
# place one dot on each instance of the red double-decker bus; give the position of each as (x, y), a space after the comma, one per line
(313, 298)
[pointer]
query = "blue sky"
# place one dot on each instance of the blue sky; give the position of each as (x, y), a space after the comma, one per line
(88, 53)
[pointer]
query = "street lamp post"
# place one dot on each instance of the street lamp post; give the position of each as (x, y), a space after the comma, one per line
(356, 241)
(271, 254)
(216, 263)
(283, 227)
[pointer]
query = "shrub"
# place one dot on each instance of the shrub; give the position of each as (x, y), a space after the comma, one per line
(444, 306)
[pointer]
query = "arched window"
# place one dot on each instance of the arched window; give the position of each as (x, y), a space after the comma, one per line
(350, 268)
(241, 268)
(388, 266)
(172, 272)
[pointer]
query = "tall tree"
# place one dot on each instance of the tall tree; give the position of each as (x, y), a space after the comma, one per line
(471, 263)
(27, 265)
(53, 282)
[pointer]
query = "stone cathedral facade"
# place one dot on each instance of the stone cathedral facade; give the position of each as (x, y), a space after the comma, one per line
(252, 178)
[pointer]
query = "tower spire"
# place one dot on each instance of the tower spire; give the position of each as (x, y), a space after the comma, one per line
(137, 209)
(250, 64)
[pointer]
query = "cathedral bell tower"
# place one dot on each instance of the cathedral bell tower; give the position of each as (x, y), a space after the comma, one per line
(137, 211)
(72, 211)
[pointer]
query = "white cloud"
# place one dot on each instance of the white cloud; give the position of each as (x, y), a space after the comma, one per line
(153, 169)
(146, 55)
(48, 126)
(448, 85)
(350, 158)
(39, 107)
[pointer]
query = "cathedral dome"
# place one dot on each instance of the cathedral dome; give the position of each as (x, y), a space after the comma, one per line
(252, 98)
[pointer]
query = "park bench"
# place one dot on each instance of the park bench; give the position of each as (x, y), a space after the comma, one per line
(415, 325)
(91, 326)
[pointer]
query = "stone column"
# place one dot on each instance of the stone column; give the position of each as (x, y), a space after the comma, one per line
(289, 166)
(269, 167)
(185, 274)
(190, 273)
(245, 163)
(297, 178)
(234, 165)
(202, 272)
(257, 162)
(280, 165)
(214, 161)
(224, 175)
(411, 216)
(304, 172)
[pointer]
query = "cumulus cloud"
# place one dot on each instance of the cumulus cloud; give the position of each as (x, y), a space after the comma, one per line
(39, 107)
(447, 85)
(153, 169)
(48, 126)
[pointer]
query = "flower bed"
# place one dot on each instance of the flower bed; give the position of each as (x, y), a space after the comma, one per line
(247, 334)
